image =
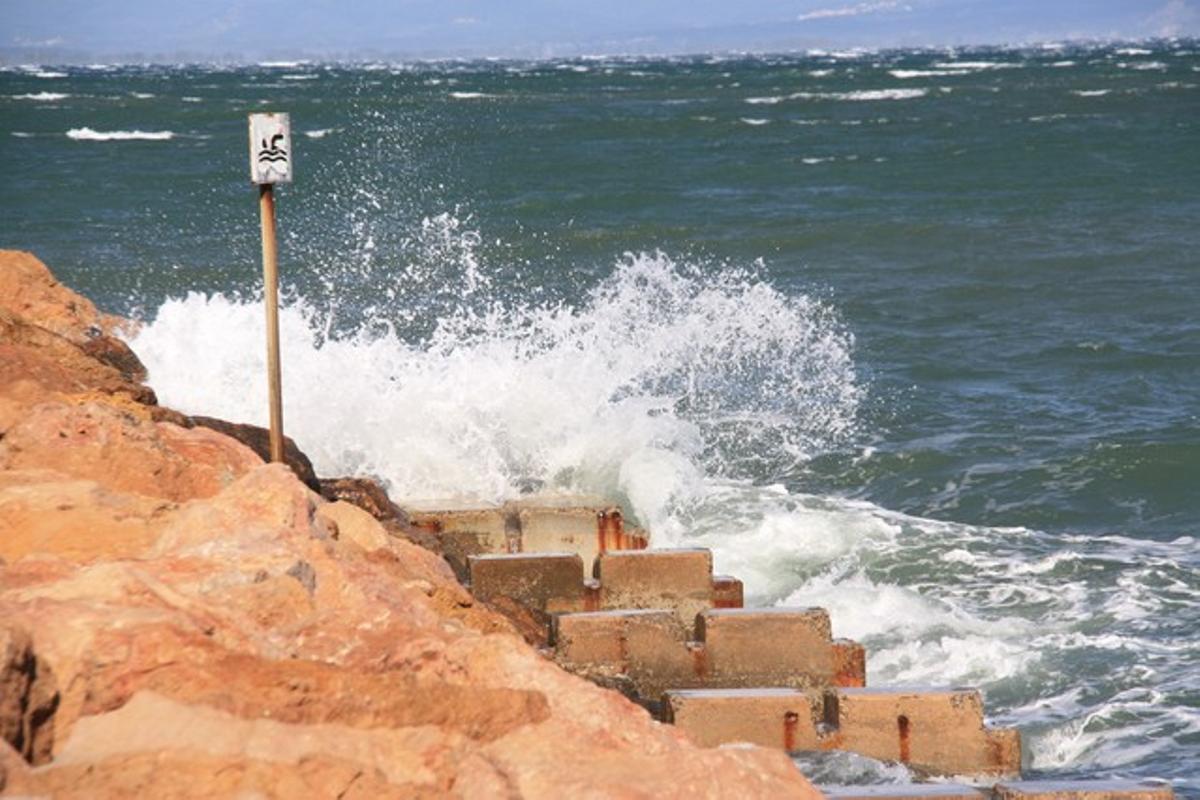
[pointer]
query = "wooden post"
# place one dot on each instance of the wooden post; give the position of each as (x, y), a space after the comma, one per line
(271, 163)
(266, 205)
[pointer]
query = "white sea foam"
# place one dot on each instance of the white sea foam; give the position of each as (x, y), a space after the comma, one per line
(1090, 92)
(755, 121)
(42, 97)
(905, 74)
(469, 95)
(870, 94)
(282, 64)
(48, 74)
(89, 135)
(22, 135)
(815, 160)
(766, 101)
(141, 95)
(975, 66)
(1142, 65)
(299, 77)
(620, 395)
(1061, 64)
(319, 133)
(1133, 51)
(190, 99)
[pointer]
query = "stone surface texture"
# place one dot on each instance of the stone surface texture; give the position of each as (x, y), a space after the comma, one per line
(178, 619)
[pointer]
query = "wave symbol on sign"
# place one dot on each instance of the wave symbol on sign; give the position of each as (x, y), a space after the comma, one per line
(272, 152)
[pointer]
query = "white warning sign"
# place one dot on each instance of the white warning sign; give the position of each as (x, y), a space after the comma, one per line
(270, 148)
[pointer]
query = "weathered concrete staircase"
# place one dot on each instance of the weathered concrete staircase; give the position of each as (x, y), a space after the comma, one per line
(659, 626)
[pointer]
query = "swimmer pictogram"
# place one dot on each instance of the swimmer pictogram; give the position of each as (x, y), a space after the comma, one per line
(272, 152)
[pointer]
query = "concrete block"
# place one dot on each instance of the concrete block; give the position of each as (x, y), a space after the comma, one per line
(465, 528)
(584, 525)
(602, 638)
(905, 791)
(647, 648)
(728, 592)
(1082, 790)
(784, 718)
(849, 663)
(545, 582)
(934, 731)
(776, 647)
(680, 580)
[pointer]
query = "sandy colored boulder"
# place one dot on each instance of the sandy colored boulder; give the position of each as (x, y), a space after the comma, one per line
(104, 443)
(28, 289)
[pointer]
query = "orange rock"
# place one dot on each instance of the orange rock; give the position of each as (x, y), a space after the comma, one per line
(45, 512)
(101, 442)
(29, 290)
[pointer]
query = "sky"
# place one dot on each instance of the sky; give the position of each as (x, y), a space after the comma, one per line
(234, 30)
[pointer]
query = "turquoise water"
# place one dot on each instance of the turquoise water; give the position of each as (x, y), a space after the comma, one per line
(908, 334)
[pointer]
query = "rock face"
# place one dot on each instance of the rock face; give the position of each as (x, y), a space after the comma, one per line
(179, 619)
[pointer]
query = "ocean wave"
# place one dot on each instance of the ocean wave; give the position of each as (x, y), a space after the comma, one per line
(141, 95)
(470, 95)
(663, 371)
(868, 95)
(42, 97)
(89, 135)
(754, 121)
(976, 66)
(905, 74)
(1090, 92)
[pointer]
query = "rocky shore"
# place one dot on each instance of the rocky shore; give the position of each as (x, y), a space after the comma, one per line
(180, 619)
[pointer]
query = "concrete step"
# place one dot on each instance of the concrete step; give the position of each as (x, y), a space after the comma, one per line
(906, 791)
(548, 523)
(1013, 790)
(543, 583)
(1082, 790)
(776, 647)
(728, 648)
(938, 730)
(680, 579)
(933, 731)
(676, 580)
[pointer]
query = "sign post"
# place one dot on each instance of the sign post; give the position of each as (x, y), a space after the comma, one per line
(271, 163)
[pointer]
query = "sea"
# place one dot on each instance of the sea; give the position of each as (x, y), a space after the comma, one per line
(913, 335)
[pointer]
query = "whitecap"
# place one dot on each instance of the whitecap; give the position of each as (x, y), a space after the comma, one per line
(319, 133)
(905, 74)
(754, 121)
(42, 97)
(141, 95)
(301, 77)
(1090, 92)
(765, 101)
(469, 95)
(975, 65)
(89, 135)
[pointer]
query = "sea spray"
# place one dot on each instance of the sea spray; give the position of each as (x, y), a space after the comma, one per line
(705, 372)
